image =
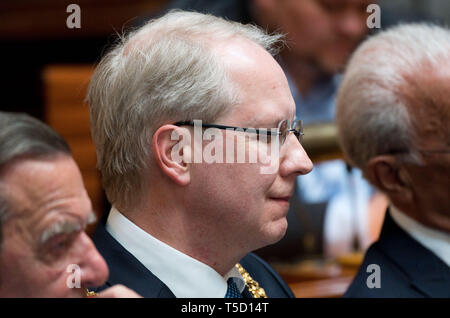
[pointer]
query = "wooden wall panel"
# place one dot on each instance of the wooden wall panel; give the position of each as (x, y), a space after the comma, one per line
(65, 89)
(46, 19)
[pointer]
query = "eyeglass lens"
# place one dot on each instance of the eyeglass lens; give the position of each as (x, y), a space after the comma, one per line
(285, 128)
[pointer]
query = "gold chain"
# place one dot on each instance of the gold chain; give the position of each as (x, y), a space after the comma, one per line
(252, 285)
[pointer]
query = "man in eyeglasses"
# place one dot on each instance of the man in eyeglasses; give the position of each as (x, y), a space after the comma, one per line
(334, 210)
(183, 221)
(394, 118)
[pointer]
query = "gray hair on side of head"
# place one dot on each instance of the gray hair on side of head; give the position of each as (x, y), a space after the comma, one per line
(164, 72)
(22, 136)
(373, 114)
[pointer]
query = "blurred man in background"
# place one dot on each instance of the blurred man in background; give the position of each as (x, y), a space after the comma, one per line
(44, 209)
(393, 114)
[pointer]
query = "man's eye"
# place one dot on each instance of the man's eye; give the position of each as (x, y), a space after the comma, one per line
(59, 244)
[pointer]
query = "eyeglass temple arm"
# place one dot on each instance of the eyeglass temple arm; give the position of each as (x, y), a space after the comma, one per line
(249, 130)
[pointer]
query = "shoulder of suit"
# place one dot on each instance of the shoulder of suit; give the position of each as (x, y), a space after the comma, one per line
(262, 272)
(394, 281)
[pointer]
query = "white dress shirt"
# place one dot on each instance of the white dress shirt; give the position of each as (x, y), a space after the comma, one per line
(185, 276)
(436, 241)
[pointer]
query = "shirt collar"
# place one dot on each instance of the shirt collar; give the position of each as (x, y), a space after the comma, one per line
(436, 241)
(184, 276)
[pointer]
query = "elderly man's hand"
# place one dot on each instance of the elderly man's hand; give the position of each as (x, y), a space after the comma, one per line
(118, 291)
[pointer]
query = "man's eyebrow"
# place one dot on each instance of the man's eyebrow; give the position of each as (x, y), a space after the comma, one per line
(66, 227)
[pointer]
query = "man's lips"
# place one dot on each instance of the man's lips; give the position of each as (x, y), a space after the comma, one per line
(282, 195)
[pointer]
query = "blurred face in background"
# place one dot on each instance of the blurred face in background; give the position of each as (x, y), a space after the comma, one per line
(322, 32)
(44, 231)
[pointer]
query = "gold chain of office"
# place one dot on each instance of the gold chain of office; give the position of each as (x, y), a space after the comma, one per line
(252, 285)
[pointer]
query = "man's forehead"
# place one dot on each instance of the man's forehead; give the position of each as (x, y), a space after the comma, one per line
(29, 178)
(261, 85)
(261, 117)
(34, 185)
(261, 111)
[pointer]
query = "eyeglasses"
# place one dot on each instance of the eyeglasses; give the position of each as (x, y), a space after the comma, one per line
(284, 128)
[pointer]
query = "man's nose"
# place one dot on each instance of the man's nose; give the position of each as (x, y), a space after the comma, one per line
(295, 160)
(94, 270)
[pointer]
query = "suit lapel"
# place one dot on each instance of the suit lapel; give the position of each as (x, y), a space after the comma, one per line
(427, 273)
(125, 269)
(432, 276)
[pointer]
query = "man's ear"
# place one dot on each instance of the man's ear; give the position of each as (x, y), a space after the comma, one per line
(387, 174)
(171, 149)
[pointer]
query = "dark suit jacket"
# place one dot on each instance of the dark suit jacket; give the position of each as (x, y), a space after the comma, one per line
(407, 268)
(125, 269)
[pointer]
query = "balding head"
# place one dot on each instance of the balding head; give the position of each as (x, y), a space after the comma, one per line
(392, 81)
(393, 113)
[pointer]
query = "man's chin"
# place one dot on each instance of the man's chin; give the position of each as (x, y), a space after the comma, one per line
(277, 232)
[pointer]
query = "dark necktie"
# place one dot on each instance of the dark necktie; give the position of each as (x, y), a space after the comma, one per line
(232, 291)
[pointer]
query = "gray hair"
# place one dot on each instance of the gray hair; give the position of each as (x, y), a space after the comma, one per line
(372, 103)
(164, 72)
(22, 136)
